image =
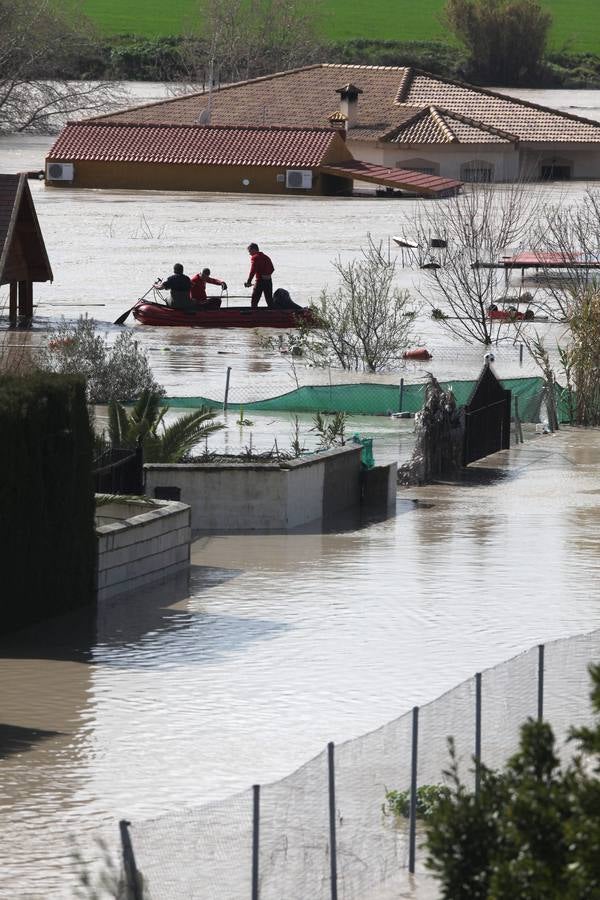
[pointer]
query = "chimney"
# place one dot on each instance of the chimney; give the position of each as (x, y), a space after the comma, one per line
(349, 103)
(339, 123)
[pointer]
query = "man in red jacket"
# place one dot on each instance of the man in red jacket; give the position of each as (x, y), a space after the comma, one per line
(198, 290)
(261, 269)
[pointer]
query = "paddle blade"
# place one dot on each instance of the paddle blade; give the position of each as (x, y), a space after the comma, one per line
(121, 319)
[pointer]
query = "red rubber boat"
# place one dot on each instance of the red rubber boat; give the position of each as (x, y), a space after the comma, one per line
(149, 313)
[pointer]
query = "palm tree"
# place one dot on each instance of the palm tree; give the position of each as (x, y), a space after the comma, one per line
(141, 426)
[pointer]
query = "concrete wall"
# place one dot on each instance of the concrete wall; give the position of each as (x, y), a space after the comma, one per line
(138, 545)
(263, 497)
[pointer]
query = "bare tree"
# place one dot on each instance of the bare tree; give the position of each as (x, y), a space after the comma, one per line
(461, 281)
(571, 232)
(248, 38)
(366, 323)
(40, 44)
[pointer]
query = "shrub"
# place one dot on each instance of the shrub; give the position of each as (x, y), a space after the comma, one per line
(117, 372)
(397, 803)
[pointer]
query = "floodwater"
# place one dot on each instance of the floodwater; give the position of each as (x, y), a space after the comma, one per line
(193, 691)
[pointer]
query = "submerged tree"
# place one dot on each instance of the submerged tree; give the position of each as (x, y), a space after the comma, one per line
(569, 232)
(41, 44)
(119, 371)
(145, 425)
(505, 39)
(460, 282)
(366, 323)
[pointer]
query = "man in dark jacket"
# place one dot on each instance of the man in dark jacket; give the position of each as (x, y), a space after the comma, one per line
(261, 270)
(179, 285)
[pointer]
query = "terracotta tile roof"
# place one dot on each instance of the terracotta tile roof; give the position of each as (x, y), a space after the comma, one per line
(301, 97)
(391, 96)
(214, 145)
(402, 179)
(527, 121)
(438, 126)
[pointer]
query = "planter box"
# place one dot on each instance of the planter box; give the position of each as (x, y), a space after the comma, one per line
(139, 544)
(252, 496)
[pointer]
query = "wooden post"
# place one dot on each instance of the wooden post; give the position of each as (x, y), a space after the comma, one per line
(12, 303)
(26, 299)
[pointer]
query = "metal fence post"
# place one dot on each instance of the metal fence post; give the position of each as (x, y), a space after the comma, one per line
(226, 397)
(255, 838)
(520, 354)
(412, 846)
(477, 732)
(332, 838)
(132, 878)
(401, 396)
(540, 710)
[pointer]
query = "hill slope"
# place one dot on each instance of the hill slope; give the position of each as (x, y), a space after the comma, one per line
(575, 21)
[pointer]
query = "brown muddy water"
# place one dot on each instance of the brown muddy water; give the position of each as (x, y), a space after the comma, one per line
(278, 643)
(281, 643)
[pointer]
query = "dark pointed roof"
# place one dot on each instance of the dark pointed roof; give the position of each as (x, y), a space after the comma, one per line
(23, 254)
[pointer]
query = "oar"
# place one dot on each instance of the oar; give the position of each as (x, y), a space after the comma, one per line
(121, 319)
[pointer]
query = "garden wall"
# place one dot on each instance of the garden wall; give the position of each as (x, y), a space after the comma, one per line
(140, 543)
(254, 496)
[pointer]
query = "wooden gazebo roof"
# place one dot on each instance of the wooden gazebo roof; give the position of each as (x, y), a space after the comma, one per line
(23, 255)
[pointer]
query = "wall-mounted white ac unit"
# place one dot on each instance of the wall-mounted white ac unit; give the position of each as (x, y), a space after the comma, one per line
(58, 171)
(299, 178)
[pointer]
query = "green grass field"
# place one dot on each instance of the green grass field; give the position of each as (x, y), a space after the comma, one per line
(576, 22)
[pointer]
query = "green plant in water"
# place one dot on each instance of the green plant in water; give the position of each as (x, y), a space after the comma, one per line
(145, 424)
(397, 803)
(242, 421)
(332, 432)
(297, 444)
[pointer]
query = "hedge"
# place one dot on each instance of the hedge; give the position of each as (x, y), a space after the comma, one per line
(47, 534)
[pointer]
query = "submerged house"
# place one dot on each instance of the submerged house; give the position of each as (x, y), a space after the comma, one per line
(227, 158)
(400, 118)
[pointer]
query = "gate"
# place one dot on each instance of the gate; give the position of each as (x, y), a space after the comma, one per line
(119, 470)
(487, 418)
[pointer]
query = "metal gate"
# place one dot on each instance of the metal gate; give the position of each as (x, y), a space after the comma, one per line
(119, 470)
(487, 418)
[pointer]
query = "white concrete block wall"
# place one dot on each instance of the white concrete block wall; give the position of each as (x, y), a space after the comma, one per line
(265, 497)
(141, 547)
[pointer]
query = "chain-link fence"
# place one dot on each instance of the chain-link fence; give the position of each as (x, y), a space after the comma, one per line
(368, 398)
(322, 832)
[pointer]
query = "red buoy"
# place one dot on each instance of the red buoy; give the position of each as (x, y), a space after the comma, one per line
(419, 353)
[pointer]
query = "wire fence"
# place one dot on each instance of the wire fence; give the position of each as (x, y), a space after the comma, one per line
(368, 398)
(322, 832)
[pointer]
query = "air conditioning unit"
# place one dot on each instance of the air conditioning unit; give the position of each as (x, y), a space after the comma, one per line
(299, 178)
(58, 171)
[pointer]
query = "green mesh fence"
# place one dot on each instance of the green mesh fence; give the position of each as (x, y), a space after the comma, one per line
(381, 399)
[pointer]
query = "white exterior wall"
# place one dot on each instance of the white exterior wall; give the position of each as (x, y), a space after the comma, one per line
(268, 497)
(583, 158)
(508, 161)
(137, 548)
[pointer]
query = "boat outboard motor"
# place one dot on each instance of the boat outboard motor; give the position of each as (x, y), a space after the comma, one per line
(282, 300)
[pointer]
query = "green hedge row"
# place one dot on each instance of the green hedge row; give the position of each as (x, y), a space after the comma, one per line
(47, 535)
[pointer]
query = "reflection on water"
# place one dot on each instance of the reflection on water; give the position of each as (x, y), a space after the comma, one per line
(279, 643)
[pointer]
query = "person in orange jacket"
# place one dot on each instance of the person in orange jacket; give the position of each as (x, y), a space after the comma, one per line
(198, 290)
(261, 270)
